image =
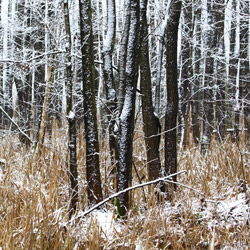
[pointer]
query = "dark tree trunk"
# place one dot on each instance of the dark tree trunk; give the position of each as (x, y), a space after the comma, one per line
(151, 124)
(232, 113)
(172, 89)
(196, 88)
(110, 88)
(220, 107)
(23, 80)
(24, 104)
(70, 115)
(127, 115)
(208, 102)
(123, 57)
(90, 121)
(38, 40)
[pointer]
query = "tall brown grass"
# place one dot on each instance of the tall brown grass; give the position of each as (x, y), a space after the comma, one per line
(34, 200)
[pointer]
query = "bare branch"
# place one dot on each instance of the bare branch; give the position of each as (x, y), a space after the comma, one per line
(124, 191)
(13, 122)
(28, 60)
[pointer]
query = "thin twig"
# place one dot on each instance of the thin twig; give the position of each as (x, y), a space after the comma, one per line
(12, 121)
(32, 58)
(183, 185)
(139, 178)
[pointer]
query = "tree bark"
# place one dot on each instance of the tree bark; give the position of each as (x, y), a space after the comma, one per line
(172, 89)
(110, 88)
(220, 105)
(44, 115)
(244, 88)
(128, 111)
(123, 58)
(23, 80)
(233, 114)
(151, 123)
(6, 81)
(71, 117)
(90, 121)
(196, 96)
(38, 40)
(186, 69)
(209, 82)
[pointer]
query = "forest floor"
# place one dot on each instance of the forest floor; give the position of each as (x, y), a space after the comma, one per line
(209, 210)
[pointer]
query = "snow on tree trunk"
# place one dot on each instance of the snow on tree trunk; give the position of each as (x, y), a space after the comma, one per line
(108, 47)
(73, 174)
(123, 57)
(128, 111)
(220, 104)
(6, 81)
(90, 121)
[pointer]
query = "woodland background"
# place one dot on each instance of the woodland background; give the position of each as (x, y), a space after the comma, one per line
(98, 96)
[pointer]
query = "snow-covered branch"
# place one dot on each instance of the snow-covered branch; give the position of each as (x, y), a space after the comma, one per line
(163, 179)
(14, 123)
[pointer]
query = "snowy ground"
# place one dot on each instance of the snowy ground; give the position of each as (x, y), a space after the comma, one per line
(218, 214)
(218, 220)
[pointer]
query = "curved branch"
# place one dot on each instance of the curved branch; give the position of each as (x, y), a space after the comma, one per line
(124, 191)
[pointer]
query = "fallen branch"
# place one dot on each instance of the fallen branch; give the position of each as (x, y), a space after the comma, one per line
(124, 191)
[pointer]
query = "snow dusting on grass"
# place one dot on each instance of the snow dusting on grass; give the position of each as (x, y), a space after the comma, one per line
(34, 201)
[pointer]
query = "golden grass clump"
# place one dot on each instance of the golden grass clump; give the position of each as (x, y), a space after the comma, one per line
(34, 200)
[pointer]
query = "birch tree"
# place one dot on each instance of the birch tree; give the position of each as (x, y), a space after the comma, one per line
(6, 81)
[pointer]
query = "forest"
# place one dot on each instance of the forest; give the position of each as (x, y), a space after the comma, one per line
(124, 124)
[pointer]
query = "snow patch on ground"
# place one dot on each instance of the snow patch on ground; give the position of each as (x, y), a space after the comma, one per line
(106, 221)
(232, 211)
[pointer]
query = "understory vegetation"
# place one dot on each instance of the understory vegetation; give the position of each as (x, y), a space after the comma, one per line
(213, 213)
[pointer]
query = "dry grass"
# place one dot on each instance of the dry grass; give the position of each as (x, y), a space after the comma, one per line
(34, 201)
